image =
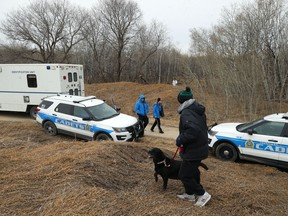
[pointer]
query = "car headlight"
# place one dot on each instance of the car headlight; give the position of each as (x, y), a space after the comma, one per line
(212, 133)
(119, 130)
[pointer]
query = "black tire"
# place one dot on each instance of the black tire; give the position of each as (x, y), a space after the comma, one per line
(50, 128)
(102, 137)
(32, 112)
(227, 152)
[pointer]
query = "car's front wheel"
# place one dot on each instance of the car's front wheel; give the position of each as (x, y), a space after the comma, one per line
(102, 137)
(226, 151)
(50, 128)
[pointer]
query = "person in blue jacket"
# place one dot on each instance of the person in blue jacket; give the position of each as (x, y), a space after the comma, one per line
(142, 109)
(157, 110)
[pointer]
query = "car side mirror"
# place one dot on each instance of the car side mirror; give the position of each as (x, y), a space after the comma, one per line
(250, 131)
(118, 109)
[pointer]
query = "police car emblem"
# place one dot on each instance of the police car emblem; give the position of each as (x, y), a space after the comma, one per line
(249, 144)
(87, 127)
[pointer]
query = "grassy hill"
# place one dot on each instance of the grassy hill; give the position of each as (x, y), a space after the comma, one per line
(125, 94)
(43, 175)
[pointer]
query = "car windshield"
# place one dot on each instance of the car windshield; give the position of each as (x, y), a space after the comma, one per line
(245, 126)
(102, 111)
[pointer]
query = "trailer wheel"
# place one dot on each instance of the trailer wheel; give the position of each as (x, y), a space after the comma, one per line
(32, 112)
(50, 128)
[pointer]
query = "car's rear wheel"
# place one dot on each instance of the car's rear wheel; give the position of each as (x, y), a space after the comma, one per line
(50, 128)
(226, 151)
(102, 137)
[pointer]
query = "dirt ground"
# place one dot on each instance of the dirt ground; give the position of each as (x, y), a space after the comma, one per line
(43, 175)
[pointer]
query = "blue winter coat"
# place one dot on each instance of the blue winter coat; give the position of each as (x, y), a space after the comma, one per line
(156, 110)
(141, 107)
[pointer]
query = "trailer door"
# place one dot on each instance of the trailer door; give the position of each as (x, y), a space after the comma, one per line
(73, 81)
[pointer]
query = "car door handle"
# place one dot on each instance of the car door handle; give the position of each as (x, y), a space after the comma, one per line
(54, 114)
(74, 119)
(273, 140)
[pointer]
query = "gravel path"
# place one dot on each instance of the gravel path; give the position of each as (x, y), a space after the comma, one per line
(169, 132)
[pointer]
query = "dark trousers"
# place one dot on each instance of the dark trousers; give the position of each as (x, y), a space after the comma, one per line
(158, 123)
(189, 174)
(145, 121)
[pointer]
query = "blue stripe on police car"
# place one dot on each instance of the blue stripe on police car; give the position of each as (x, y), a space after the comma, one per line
(81, 126)
(263, 146)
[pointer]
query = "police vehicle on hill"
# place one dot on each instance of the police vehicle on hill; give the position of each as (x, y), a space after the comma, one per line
(263, 140)
(87, 118)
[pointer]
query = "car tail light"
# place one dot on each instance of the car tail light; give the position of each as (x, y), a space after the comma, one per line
(212, 133)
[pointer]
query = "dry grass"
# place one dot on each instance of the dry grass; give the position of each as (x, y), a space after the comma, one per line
(42, 175)
(125, 94)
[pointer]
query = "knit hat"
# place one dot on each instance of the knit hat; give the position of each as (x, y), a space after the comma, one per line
(185, 95)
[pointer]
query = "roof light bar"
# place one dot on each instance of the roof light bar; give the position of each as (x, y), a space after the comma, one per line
(85, 99)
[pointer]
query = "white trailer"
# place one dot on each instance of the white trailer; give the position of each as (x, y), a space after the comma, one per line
(22, 86)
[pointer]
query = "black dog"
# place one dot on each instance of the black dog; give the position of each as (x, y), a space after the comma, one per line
(166, 167)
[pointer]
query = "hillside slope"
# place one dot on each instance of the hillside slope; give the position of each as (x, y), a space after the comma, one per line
(43, 175)
(125, 94)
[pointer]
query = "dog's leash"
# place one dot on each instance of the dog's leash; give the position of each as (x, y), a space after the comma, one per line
(175, 153)
(200, 164)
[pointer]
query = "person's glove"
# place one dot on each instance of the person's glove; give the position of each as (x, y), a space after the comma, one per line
(178, 143)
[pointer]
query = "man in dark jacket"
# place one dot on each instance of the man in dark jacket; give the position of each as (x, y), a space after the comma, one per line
(193, 142)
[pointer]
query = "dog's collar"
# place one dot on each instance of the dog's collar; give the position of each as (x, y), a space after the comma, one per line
(164, 162)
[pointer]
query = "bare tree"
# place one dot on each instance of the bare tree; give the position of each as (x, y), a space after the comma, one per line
(49, 29)
(147, 42)
(121, 44)
(98, 68)
(120, 19)
(245, 52)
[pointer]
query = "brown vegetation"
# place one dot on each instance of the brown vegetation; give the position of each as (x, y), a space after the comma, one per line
(42, 175)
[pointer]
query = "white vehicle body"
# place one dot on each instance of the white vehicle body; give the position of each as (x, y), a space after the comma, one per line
(22, 86)
(87, 118)
(264, 140)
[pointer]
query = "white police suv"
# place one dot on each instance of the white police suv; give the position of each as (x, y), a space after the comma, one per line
(264, 140)
(87, 118)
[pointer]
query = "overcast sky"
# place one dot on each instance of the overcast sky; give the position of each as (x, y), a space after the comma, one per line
(178, 16)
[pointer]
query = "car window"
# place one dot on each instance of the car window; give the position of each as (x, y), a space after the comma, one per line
(243, 127)
(64, 108)
(80, 112)
(45, 104)
(286, 131)
(270, 128)
(103, 111)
